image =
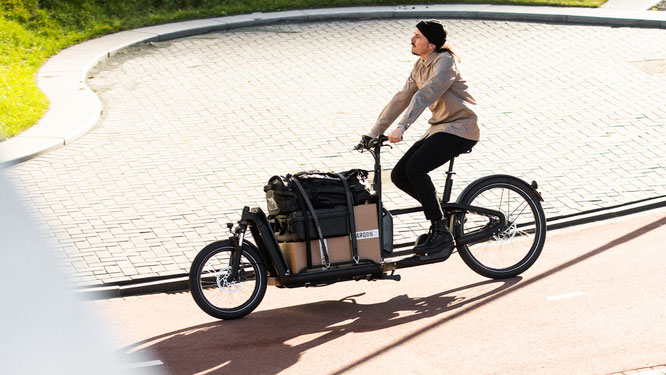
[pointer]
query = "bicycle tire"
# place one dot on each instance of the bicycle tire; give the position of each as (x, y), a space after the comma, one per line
(214, 293)
(517, 246)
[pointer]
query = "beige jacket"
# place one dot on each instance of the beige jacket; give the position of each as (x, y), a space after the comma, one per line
(435, 83)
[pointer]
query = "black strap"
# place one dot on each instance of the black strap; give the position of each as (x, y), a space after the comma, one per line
(306, 227)
(306, 224)
(350, 213)
(322, 243)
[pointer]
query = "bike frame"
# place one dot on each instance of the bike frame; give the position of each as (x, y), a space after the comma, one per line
(280, 274)
(453, 211)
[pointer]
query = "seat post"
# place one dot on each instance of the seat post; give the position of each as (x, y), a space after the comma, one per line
(449, 182)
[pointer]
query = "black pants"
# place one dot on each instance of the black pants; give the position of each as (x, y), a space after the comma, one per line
(410, 174)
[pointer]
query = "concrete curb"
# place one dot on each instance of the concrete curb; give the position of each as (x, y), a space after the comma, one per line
(180, 282)
(137, 287)
(75, 109)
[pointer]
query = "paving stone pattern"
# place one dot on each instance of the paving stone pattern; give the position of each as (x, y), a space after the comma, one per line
(193, 128)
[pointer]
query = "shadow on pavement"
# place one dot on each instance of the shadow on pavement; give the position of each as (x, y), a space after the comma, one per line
(267, 342)
(608, 246)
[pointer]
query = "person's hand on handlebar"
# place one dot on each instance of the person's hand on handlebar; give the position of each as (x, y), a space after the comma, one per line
(396, 134)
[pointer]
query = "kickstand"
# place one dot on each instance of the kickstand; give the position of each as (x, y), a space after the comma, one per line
(392, 276)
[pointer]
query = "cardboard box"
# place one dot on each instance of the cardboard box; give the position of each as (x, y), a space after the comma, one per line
(340, 248)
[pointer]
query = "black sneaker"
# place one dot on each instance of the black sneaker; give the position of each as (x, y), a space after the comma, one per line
(439, 239)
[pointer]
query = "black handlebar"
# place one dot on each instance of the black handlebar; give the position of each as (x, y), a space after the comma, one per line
(379, 141)
(368, 143)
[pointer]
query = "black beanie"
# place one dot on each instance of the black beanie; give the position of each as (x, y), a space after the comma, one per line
(434, 30)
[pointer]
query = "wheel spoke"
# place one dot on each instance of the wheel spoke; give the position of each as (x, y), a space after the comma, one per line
(523, 206)
(499, 206)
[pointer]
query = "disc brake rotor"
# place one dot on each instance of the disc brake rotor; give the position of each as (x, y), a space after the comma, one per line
(223, 282)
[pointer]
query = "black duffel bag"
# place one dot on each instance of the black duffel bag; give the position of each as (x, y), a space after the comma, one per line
(291, 227)
(323, 189)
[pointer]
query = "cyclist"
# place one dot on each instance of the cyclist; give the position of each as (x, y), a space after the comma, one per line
(435, 82)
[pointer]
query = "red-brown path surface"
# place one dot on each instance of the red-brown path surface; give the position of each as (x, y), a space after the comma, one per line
(592, 304)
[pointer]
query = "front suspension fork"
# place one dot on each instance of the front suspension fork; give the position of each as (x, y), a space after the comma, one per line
(238, 238)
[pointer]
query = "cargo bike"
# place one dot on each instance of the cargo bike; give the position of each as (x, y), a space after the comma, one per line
(497, 222)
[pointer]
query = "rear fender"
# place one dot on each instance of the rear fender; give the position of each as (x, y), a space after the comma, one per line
(506, 178)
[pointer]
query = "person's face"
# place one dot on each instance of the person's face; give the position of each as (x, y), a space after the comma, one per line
(420, 44)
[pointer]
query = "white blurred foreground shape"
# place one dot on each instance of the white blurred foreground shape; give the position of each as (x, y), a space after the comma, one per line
(44, 329)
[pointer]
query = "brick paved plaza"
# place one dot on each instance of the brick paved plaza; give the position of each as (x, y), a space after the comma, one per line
(193, 128)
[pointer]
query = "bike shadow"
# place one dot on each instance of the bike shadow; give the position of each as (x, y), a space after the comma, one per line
(270, 341)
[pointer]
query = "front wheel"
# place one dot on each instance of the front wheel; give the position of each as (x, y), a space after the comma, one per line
(216, 292)
(513, 249)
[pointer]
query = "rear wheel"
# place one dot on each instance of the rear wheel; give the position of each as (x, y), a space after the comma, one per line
(216, 292)
(518, 244)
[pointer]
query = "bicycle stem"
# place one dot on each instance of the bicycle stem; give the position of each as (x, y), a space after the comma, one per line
(377, 186)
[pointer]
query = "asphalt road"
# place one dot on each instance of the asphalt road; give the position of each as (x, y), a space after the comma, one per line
(592, 304)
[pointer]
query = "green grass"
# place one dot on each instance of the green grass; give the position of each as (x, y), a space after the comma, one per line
(33, 30)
